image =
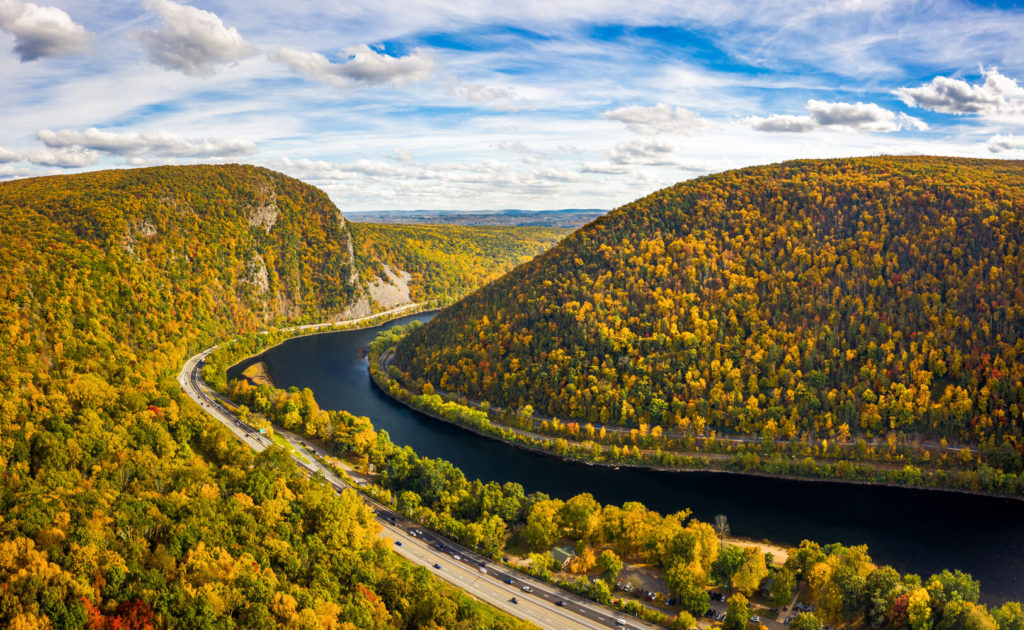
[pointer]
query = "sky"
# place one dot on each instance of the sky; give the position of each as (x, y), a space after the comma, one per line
(475, 105)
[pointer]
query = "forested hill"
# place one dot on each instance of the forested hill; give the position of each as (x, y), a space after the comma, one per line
(122, 504)
(814, 300)
(259, 244)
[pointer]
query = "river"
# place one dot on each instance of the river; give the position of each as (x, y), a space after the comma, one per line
(920, 531)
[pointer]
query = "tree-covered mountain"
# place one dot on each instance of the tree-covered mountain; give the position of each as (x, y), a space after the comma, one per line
(821, 301)
(444, 262)
(122, 503)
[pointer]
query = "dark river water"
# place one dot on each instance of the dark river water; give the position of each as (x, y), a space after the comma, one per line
(920, 531)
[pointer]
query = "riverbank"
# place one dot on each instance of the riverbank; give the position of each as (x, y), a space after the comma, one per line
(478, 420)
(229, 355)
(258, 375)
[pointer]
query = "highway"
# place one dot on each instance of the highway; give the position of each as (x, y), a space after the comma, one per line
(504, 588)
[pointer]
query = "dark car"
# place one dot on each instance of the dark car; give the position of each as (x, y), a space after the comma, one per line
(437, 566)
(559, 603)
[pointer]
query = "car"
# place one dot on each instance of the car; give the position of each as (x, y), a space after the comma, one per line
(437, 566)
(755, 619)
(560, 603)
(440, 545)
(483, 570)
(412, 532)
(456, 556)
(709, 613)
(398, 542)
(515, 601)
(620, 622)
(508, 580)
(526, 587)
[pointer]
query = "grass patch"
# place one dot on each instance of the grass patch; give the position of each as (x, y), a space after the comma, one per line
(283, 443)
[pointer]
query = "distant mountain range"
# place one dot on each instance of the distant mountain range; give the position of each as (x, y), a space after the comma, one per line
(566, 218)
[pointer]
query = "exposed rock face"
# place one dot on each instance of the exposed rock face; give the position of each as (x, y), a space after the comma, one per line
(360, 308)
(258, 275)
(264, 213)
(392, 292)
(142, 228)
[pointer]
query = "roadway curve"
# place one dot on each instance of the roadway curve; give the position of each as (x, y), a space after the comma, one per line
(506, 589)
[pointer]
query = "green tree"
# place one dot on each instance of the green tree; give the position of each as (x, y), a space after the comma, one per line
(737, 612)
(684, 621)
(783, 583)
(1009, 616)
(685, 586)
(805, 621)
(730, 559)
(609, 563)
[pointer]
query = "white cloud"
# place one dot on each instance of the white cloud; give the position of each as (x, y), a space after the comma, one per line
(660, 118)
(363, 66)
(1001, 144)
(6, 155)
(41, 31)
(134, 144)
(484, 93)
(998, 95)
(64, 158)
(646, 152)
(10, 171)
(192, 40)
(844, 116)
(604, 168)
(783, 123)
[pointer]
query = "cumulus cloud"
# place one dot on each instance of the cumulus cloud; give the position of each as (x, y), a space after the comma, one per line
(64, 158)
(478, 178)
(10, 171)
(6, 155)
(783, 123)
(646, 152)
(362, 66)
(660, 118)
(41, 31)
(998, 95)
(192, 40)
(1001, 144)
(845, 116)
(134, 145)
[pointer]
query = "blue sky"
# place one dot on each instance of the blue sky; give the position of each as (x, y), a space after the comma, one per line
(477, 105)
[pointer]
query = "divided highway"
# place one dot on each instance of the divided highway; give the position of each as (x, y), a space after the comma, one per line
(502, 587)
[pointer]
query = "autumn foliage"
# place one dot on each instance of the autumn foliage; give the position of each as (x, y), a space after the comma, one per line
(123, 505)
(836, 300)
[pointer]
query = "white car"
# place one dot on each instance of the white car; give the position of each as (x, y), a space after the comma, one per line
(483, 569)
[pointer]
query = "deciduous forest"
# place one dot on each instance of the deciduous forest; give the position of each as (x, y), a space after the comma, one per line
(861, 309)
(122, 504)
